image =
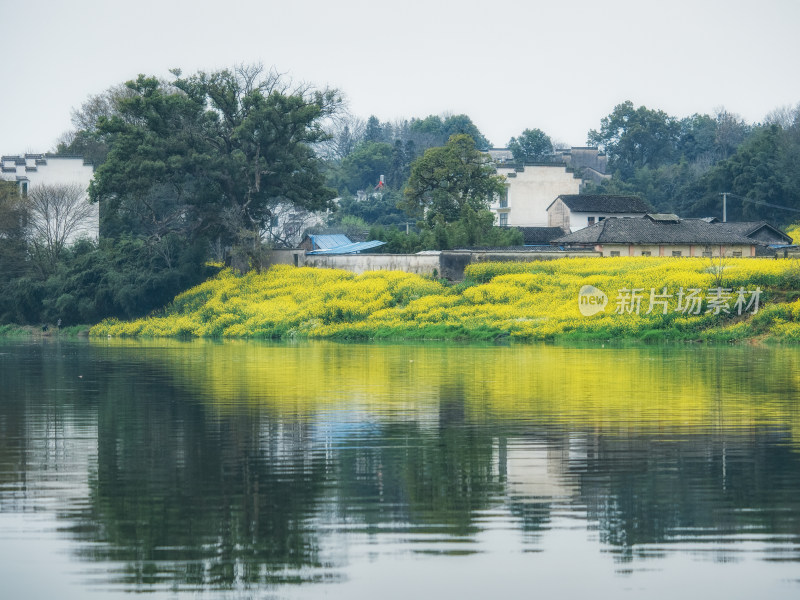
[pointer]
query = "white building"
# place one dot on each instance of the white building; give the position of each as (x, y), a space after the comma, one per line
(31, 170)
(529, 191)
(532, 187)
(573, 212)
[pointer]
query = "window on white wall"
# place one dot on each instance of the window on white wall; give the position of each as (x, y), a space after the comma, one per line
(503, 219)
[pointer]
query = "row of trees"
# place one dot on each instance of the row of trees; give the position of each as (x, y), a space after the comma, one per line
(187, 170)
(683, 165)
(198, 167)
(417, 184)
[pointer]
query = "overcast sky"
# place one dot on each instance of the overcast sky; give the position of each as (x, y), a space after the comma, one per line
(510, 65)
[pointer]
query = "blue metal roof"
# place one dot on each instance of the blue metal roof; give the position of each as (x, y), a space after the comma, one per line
(329, 241)
(350, 248)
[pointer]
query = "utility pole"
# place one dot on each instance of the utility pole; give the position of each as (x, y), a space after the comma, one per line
(724, 207)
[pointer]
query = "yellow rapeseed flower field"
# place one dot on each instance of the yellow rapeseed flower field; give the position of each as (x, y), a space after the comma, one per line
(643, 297)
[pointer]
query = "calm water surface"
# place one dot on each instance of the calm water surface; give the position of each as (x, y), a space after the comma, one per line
(247, 470)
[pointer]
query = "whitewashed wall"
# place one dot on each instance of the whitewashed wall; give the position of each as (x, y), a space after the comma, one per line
(532, 190)
(41, 169)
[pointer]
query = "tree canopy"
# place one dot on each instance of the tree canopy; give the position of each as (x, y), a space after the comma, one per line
(439, 129)
(533, 145)
(212, 154)
(449, 178)
(363, 167)
(636, 137)
(684, 165)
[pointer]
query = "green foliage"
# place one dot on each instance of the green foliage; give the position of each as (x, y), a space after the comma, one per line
(533, 145)
(124, 278)
(437, 130)
(683, 166)
(474, 229)
(375, 209)
(447, 179)
(362, 169)
(762, 176)
(14, 216)
(209, 156)
(636, 137)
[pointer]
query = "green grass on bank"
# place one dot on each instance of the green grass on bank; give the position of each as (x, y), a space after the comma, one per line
(28, 331)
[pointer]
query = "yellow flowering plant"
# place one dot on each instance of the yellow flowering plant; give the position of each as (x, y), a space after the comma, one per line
(686, 298)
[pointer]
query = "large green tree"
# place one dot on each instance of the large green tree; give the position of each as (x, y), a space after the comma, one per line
(434, 130)
(636, 137)
(212, 155)
(447, 179)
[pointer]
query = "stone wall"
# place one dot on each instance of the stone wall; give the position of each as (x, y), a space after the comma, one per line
(449, 264)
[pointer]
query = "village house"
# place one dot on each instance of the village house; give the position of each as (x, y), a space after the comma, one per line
(31, 170)
(661, 235)
(767, 237)
(530, 188)
(573, 212)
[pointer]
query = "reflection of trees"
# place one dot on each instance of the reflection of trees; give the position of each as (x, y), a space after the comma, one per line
(645, 491)
(213, 501)
(432, 475)
(181, 496)
(42, 410)
(409, 475)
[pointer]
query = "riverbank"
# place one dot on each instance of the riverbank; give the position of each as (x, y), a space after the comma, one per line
(569, 299)
(29, 331)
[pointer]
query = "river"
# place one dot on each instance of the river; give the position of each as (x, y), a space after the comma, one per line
(277, 470)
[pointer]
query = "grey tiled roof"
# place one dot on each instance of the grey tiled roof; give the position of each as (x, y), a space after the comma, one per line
(604, 203)
(645, 231)
(747, 228)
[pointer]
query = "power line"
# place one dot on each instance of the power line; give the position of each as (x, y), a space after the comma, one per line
(762, 203)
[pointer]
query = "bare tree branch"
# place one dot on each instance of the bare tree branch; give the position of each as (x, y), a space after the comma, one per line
(58, 214)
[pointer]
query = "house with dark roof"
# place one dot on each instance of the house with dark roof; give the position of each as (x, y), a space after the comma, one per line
(660, 235)
(575, 211)
(766, 236)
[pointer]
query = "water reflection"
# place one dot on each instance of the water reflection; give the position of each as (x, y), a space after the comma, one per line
(201, 466)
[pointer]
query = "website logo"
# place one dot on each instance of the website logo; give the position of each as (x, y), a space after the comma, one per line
(591, 301)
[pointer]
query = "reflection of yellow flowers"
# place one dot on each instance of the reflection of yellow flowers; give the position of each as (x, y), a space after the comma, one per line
(522, 300)
(641, 388)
